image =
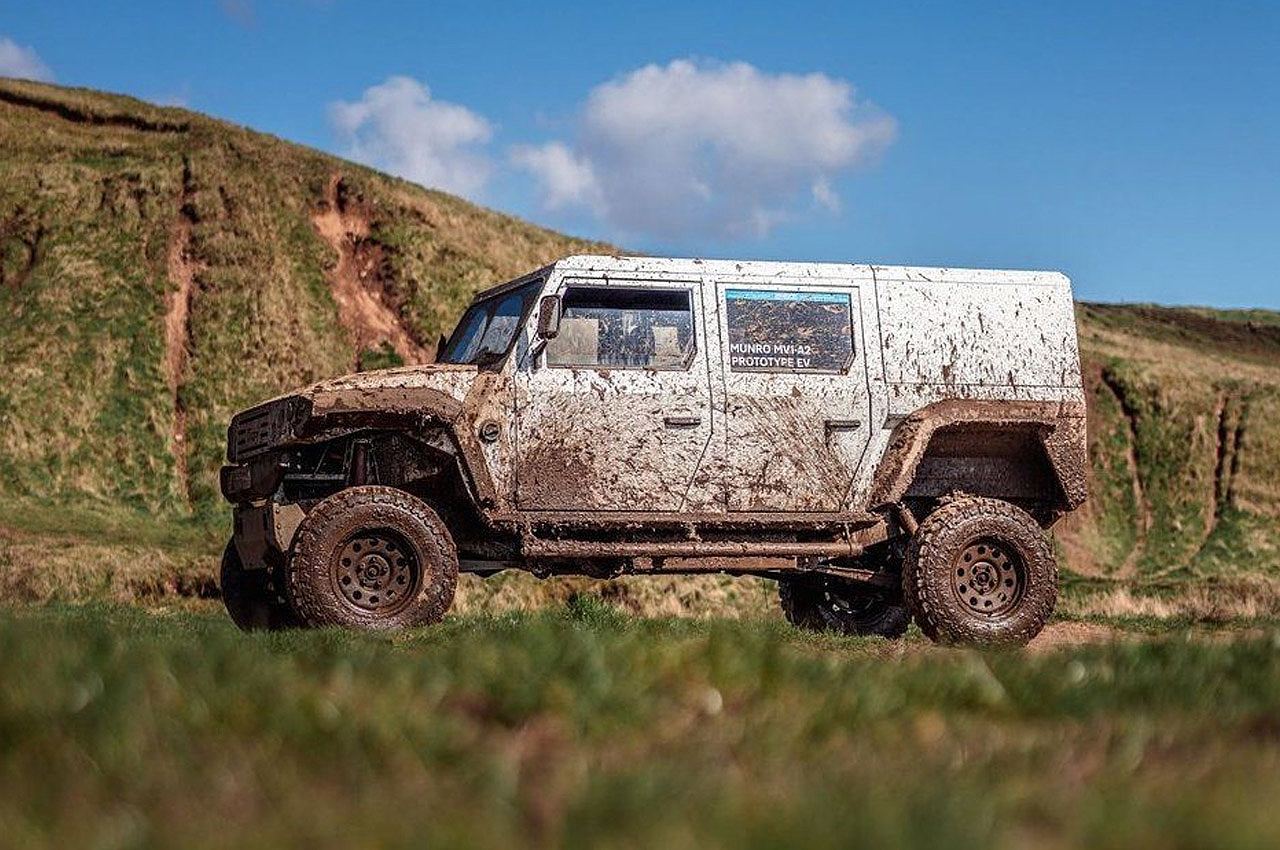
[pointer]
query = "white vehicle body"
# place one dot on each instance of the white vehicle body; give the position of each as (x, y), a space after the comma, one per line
(676, 409)
(777, 438)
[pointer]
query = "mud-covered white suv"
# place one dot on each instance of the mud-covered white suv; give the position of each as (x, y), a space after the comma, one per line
(885, 442)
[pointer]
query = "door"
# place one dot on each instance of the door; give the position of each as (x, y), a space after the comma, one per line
(797, 409)
(615, 413)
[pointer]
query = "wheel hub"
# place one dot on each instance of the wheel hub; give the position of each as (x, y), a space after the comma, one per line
(376, 571)
(988, 577)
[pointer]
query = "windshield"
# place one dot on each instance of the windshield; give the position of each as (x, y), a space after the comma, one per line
(490, 325)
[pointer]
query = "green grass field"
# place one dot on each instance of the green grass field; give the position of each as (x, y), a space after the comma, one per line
(578, 726)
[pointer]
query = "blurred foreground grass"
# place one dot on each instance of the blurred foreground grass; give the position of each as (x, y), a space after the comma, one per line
(579, 726)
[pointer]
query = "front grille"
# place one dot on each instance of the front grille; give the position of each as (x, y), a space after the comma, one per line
(251, 435)
(255, 431)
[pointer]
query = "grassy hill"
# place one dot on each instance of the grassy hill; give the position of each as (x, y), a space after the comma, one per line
(160, 269)
(1185, 444)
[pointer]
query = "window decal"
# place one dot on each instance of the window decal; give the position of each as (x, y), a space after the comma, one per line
(775, 331)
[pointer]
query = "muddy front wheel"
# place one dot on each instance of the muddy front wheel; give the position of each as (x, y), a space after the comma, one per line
(831, 604)
(980, 572)
(372, 558)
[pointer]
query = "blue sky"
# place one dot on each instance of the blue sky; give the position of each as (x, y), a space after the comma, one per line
(1135, 146)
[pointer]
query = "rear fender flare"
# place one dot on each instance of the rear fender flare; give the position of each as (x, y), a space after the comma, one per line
(1058, 427)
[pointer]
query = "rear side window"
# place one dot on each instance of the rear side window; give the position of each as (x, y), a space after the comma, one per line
(775, 331)
(624, 329)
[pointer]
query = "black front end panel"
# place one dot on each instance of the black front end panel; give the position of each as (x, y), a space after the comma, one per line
(267, 426)
(254, 442)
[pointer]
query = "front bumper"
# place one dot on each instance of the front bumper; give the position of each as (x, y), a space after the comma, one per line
(252, 481)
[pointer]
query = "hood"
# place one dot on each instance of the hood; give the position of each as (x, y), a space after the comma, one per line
(353, 401)
(407, 386)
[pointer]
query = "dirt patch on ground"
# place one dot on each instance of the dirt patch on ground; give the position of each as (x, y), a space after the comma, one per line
(357, 280)
(1209, 602)
(1060, 635)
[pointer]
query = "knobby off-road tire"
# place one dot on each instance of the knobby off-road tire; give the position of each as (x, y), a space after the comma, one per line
(253, 598)
(372, 558)
(980, 572)
(831, 604)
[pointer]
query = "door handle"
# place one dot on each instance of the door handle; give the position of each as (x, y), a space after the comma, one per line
(842, 424)
(681, 421)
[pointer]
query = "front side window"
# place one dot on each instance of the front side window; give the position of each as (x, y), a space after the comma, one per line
(490, 325)
(618, 328)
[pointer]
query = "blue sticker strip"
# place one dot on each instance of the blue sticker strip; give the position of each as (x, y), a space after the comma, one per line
(775, 295)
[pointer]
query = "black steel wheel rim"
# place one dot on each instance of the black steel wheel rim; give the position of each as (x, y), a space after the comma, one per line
(988, 577)
(376, 571)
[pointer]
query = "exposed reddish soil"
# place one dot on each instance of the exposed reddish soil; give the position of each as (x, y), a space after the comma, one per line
(182, 270)
(356, 280)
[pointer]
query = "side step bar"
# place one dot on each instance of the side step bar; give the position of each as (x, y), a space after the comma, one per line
(540, 548)
(850, 546)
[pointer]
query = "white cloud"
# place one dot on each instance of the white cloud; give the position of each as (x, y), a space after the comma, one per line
(825, 195)
(691, 149)
(567, 179)
(22, 62)
(397, 126)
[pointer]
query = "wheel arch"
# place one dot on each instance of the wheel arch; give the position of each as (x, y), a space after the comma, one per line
(428, 432)
(432, 416)
(430, 463)
(1030, 453)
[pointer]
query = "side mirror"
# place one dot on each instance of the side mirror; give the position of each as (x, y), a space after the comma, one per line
(549, 317)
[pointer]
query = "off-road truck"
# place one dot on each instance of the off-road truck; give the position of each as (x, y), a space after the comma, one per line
(885, 442)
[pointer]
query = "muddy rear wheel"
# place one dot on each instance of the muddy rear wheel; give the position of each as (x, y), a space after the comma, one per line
(253, 598)
(831, 604)
(372, 558)
(980, 572)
